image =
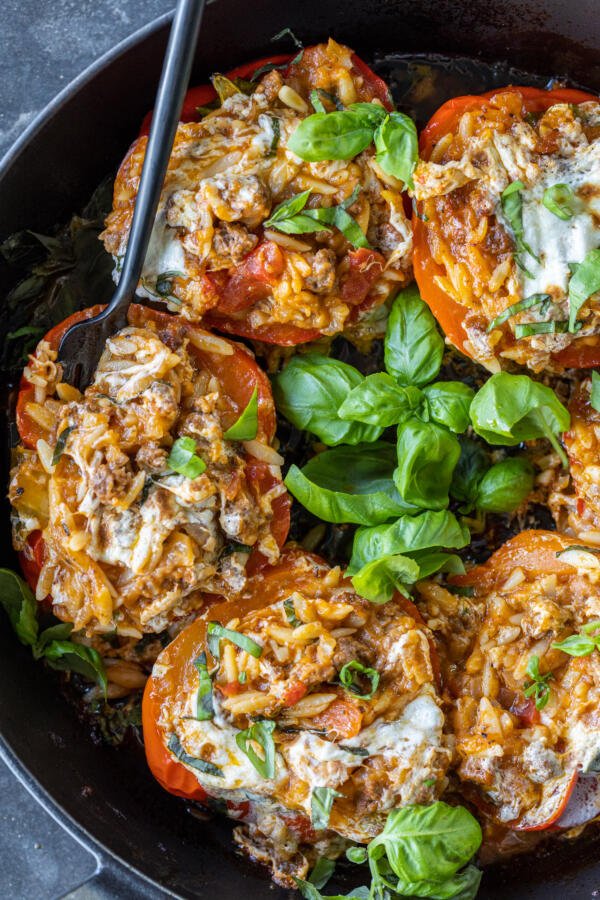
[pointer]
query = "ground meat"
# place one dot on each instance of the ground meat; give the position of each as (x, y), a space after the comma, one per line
(231, 243)
(152, 457)
(112, 478)
(322, 277)
(237, 198)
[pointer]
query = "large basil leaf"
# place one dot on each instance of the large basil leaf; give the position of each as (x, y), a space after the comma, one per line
(309, 392)
(397, 147)
(414, 347)
(378, 580)
(449, 403)
(505, 485)
(583, 283)
(350, 484)
(379, 400)
(427, 455)
(342, 134)
(509, 409)
(408, 534)
(19, 603)
(472, 465)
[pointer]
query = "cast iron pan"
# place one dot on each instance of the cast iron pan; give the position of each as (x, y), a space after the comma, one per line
(147, 843)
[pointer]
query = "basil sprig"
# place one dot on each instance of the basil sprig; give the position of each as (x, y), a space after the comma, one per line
(510, 409)
(581, 644)
(291, 217)
(512, 207)
(559, 200)
(260, 733)
(204, 695)
(343, 134)
(538, 686)
(584, 282)
(351, 675)
(183, 459)
(202, 765)
(595, 392)
(52, 644)
(245, 428)
(321, 802)
(217, 633)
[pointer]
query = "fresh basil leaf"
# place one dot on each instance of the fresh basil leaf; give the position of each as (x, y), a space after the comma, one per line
(379, 580)
(559, 199)
(538, 687)
(311, 892)
(342, 134)
(553, 326)
(19, 604)
(183, 459)
(356, 751)
(577, 645)
(427, 456)
(321, 801)
(397, 147)
(505, 485)
(432, 561)
(472, 465)
(582, 284)
(512, 207)
(322, 872)
(509, 409)
(68, 656)
(595, 392)
(260, 733)
(449, 403)
(350, 484)
(290, 613)
(204, 695)
(427, 844)
(516, 308)
(292, 218)
(60, 632)
(207, 768)
(350, 677)
(462, 886)
(217, 633)
(317, 102)
(61, 443)
(413, 348)
(246, 427)
(288, 209)
(408, 534)
(379, 400)
(309, 392)
(583, 547)
(301, 223)
(276, 126)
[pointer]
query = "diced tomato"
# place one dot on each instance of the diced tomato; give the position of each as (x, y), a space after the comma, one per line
(231, 688)
(293, 693)
(342, 718)
(31, 559)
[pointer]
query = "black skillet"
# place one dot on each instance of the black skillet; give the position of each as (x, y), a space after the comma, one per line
(106, 796)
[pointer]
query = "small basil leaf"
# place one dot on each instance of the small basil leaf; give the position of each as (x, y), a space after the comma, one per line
(207, 768)
(309, 392)
(577, 645)
(246, 427)
(413, 345)
(204, 696)
(183, 459)
(350, 484)
(432, 561)
(353, 673)
(512, 207)
(317, 102)
(288, 209)
(61, 443)
(397, 147)
(342, 134)
(276, 126)
(379, 400)
(71, 657)
(322, 872)
(19, 604)
(505, 485)
(595, 392)
(378, 580)
(427, 456)
(559, 199)
(584, 283)
(408, 534)
(472, 465)
(462, 886)
(260, 733)
(60, 632)
(321, 801)
(216, 633)
(290, 613)
(509, 409)
(449, 403)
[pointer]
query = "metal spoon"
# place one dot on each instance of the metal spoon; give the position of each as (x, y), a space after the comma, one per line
(83, 343)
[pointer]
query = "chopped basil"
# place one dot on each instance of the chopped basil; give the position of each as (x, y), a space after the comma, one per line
(512, 207)
(164, 282)
(204, 698)
(595, 392)
(578, 547)
(584, 282)
(581, 644)
(242, 677)
(461, 590)
(61, 443)
(291, 217)
(321, 801)
(558, 199)
(216, 633)
(349, 678)
(551, 327)
(538, 687)
(356, 751)
(207, 768)
(317, 102)
(183, 459)
(287, 32)
(246, 426)
(290, 613)
(516, 308)
(260, 733)
(276, 124)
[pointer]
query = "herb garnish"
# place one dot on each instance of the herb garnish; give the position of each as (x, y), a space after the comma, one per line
(291, 217)
(276, 125)
(204, 698)
(245, 428)
(578, 547)
(216, 633)
(584, 282)
(595, 392)
(61, 443)
(581, 644)
(349, 679)
(183, 459)
(558, 199)
(290, 613)
(510, 311)
(538, 687)
(207, 768)
(260, 733)
(512, 207)
(321, 801)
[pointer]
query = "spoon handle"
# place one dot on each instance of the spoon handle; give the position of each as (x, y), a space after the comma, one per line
(174, 80)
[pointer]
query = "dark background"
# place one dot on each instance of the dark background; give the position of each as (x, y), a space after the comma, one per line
(44, 44)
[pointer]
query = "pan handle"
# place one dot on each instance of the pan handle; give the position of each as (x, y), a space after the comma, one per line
(114, 881)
